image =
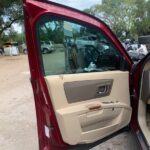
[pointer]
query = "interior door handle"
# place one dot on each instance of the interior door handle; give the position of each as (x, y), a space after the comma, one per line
(103, 89)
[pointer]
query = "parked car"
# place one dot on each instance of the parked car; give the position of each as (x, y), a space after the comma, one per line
(1, 51)
(79, 109)
(136, 51)
(135, 55)
(23, 48)
(90, 40)
(47, 47)
(145, 40)
(11, 48)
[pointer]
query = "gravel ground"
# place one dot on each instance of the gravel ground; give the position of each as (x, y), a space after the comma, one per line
(17, 111)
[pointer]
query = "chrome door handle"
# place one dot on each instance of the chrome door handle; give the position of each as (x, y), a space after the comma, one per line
(102, 90)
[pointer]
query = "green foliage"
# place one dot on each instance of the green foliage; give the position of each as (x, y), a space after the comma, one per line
(52, 31)
(10, 12)
(14, 37)
(142, 21)
(127, 18)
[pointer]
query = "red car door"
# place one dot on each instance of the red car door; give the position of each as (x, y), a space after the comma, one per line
(81, 89)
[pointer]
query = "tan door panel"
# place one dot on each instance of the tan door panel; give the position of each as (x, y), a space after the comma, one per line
(86, 121)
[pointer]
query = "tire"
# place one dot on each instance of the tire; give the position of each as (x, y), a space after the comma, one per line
(1, 52)
(25, 51)
(45, 51)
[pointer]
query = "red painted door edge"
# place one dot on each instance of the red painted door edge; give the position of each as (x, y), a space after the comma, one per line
(46, 118)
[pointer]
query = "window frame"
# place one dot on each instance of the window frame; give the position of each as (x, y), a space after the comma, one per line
(43, 18)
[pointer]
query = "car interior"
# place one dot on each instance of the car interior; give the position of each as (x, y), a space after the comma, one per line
(91, 104)
(144, 103)
(87, 78)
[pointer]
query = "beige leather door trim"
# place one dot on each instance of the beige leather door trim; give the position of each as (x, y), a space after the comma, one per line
(90, 120)
(77, 91)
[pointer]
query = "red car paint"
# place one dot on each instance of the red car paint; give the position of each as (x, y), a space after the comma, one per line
(33, 10)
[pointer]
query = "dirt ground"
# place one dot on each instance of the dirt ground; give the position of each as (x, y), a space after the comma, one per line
(17, 111)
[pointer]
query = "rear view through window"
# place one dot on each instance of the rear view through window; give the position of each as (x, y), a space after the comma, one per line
(68, 47)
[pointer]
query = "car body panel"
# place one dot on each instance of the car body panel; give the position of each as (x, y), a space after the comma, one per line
(53, 116)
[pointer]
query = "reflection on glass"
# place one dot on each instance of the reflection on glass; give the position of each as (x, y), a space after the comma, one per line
(68, 47)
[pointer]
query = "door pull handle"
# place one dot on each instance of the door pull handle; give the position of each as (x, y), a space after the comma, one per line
(97, 107)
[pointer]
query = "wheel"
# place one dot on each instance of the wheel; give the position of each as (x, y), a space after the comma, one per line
(45, 50)
(25, 51)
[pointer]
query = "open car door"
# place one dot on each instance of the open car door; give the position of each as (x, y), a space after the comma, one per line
(81, 87)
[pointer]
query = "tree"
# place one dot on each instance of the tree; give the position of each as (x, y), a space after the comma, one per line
(52, 31)
(127, 18)
(118, 14)
(10, 12)
(142, 21)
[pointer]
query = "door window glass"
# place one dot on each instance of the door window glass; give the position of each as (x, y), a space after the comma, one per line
(69, 47)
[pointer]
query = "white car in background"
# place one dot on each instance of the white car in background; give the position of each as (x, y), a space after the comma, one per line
(47, 47)
(142, 50)
(136, 51)
(86, 41)
(139, 53)
(11, 49)
(91, 40)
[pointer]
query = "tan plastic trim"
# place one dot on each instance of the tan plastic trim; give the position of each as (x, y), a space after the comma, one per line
(79, 123)
(142, 110)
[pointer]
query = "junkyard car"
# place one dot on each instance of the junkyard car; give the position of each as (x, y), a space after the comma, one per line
(136, 51)
(47, 46)
(86, 41)
(79, 106)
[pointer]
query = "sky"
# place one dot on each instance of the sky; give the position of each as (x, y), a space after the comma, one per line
(79, 4)
(17, 27)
